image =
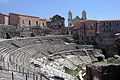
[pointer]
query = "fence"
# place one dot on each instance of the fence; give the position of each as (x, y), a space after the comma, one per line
(18, 73)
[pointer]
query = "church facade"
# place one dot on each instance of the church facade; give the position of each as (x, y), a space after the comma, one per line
(71, 21)
(56, 25)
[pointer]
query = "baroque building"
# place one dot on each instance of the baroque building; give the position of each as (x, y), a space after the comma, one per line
(71, 21)
(57, 25)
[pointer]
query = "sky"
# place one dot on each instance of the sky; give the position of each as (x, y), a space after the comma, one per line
(96, 9)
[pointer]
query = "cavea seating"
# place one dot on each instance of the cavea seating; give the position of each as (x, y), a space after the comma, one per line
(39, 58)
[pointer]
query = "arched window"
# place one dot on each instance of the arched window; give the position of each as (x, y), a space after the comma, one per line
(70, 24)
(67, 32)
(82, 32)
(71, 32)
(82, 38)
(43, 24)
(23, 22)
(29, 23)
(91, 27)
(36, 23)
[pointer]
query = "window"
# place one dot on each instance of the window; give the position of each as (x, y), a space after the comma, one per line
(104, 24)
(55, 25)
(88, 38)
(117, 23)
(71, 32)
(92, 37)
(91, 27)
(36, 23)
(95, 24)
(67, 32)
(29, 23)
(59, 26)
(82, 38)
(84, 24)
(110, 30)
(110, 23)
(104, 30)
(23, 22)
(82, 32)
(55, 19)
(43, 24)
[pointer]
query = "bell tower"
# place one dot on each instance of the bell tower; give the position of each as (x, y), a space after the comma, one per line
(69, 18)
(84, 15)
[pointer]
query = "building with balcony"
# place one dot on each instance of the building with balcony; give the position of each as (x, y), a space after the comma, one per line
(100, 33)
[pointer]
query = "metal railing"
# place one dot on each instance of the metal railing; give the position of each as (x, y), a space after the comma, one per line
(18, 72)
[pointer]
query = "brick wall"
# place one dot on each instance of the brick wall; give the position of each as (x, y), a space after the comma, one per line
(26, 20)
(13, 19)
(103, 72)
(1, 18)
(4, 19)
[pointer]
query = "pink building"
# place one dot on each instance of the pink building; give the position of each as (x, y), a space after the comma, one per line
(4, 19)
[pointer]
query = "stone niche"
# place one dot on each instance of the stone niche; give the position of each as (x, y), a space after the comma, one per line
(0, 67)
(103, 72)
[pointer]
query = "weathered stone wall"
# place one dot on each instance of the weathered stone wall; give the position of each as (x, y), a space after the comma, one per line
(13, 19)
(14, 31)
(103, 72)
(10, 29)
